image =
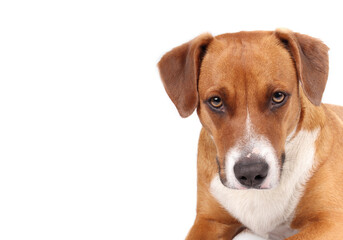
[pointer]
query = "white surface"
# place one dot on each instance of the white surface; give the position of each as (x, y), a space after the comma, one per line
(91, 147)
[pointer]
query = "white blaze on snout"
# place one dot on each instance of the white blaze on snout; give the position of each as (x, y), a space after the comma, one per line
(251, 144)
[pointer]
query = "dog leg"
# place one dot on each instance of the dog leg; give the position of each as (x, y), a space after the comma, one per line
(209, 229)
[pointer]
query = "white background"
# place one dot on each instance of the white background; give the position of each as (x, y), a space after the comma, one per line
(91, 147)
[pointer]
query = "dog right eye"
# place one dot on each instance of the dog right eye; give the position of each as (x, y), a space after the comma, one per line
(216, 102)
(278, 97)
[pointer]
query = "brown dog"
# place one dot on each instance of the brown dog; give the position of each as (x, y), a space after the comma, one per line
(270, 155)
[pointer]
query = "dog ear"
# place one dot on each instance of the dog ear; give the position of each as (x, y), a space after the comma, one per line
(311, 61)
(179, 70)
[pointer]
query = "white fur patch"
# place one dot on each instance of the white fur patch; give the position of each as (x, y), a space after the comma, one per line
(263, 211)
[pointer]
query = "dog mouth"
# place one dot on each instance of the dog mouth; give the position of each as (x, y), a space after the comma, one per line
(258, 182)
(250, 185)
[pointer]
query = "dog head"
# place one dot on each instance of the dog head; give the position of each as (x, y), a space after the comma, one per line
(247, 88)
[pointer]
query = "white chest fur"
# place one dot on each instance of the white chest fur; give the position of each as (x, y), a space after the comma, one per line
(263, 211)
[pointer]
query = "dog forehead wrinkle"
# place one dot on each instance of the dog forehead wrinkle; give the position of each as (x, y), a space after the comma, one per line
(232, 57)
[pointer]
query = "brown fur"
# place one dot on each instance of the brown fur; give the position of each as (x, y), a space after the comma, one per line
(265, 62)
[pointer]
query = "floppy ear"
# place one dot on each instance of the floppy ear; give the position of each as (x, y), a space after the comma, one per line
(311, 61)
(179, 70)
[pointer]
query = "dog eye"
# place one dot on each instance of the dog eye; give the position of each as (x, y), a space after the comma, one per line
(216, 102)
(278, 97)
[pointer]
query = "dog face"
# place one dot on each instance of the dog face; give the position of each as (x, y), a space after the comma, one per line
(249, 103)
(245, 87)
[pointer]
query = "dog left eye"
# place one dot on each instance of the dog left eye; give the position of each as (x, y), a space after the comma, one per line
(278, 97)
(216, 102)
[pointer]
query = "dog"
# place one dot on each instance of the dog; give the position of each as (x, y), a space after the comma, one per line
(270, 154)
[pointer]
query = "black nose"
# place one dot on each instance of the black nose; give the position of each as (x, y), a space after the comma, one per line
(250, 172)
